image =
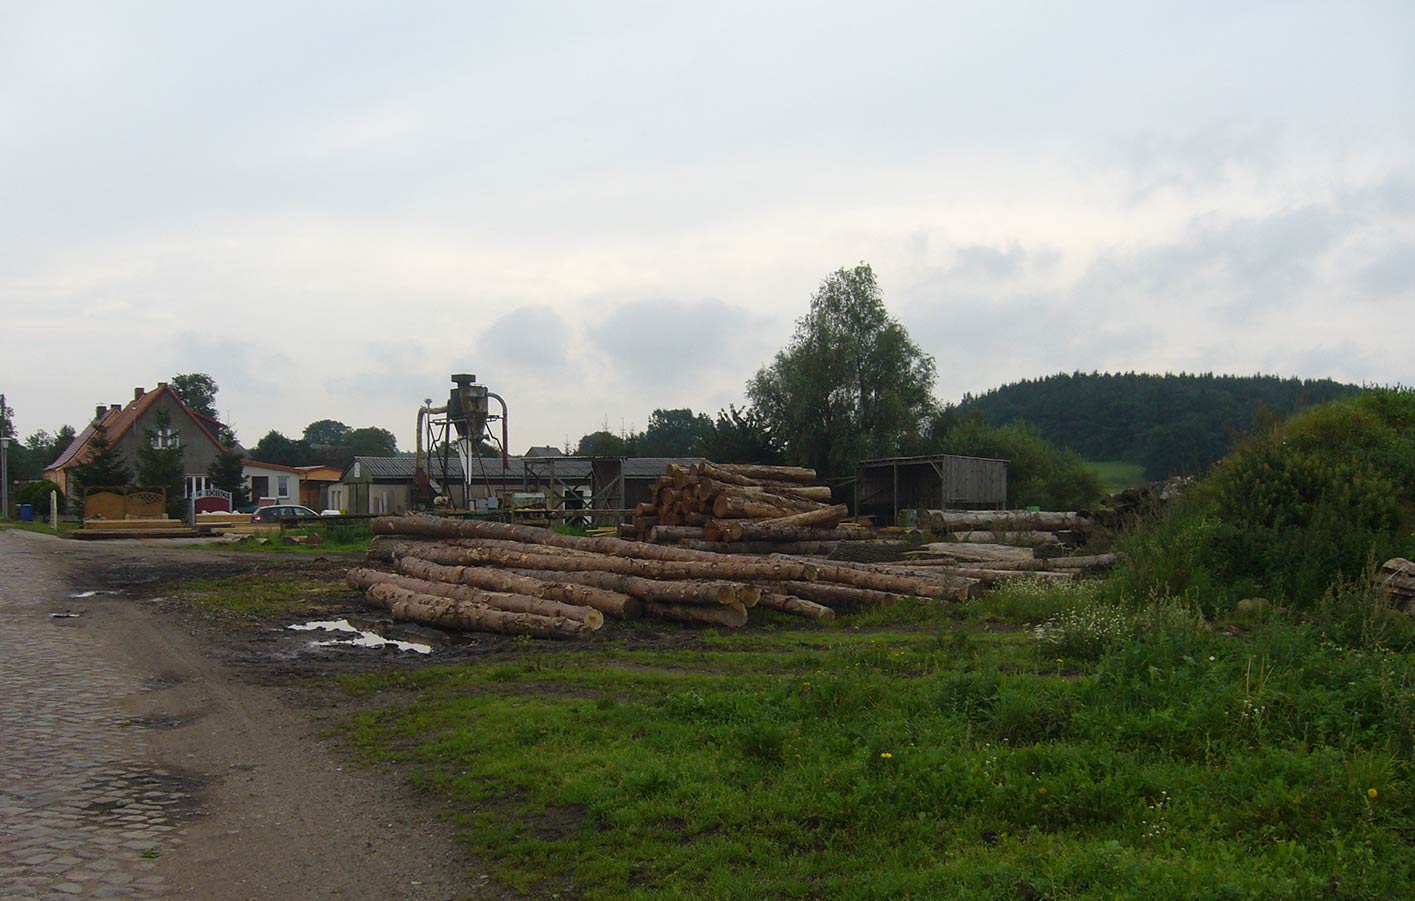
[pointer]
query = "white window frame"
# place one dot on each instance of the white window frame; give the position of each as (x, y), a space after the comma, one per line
(282, 486)
(166, 438)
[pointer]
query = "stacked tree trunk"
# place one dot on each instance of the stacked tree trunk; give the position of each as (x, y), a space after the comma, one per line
(709, 505)
(500, 577)
(1397, 577)
(1057, 532)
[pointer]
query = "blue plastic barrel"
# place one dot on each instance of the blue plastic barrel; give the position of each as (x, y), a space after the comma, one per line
(26, 512)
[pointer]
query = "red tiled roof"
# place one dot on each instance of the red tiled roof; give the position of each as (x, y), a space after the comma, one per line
(119, 422)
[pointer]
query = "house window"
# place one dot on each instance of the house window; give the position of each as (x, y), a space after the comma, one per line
(282, 486)
(165, 437)
(195, 485)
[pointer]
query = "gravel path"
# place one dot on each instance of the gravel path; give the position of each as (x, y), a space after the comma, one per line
(134, 764)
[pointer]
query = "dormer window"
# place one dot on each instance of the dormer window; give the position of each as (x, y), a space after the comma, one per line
(165, 438)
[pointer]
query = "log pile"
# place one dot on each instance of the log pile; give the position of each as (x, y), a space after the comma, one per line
(1056, 532)
(707, 497)
(501, 577)
(1397, 577)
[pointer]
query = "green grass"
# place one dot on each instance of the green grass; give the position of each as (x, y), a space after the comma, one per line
(64, 527)
(259, 595)
(1036, 743)
(1117, 475)
(338, 539)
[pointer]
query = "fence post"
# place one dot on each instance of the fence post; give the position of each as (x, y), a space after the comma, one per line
(54, 510)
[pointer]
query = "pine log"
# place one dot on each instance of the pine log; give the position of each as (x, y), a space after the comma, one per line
(813, 548)
(768, 473)
(979, 551)
(447, 613)
(1014, 539)
(795, 606)
(820, 517)
(671, 534)
(682, 591)
(725, 567)
(708, 488)
(499, 599)
(1002, 521)
(758, 506)
(439, 527)
(740, 530)
(949, 589)
(612, 602)
(381, 548)
(837, 597)
(645, 509)
(731, 615)
(519, 546)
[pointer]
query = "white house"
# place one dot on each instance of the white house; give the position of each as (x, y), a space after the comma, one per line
(270, 483)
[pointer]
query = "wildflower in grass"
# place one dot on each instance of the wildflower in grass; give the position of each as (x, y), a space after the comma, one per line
(1041, 789)
(886, 755)
(1372, 793)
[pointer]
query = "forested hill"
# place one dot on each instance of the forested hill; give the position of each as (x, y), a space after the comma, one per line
(1171, 424)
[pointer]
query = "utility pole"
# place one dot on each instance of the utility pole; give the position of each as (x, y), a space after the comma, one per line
(4, 459)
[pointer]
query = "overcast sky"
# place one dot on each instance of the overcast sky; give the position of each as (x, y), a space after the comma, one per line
(603, 208)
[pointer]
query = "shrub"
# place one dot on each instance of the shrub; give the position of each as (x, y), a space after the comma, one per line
(37, 494)
(1291, 512)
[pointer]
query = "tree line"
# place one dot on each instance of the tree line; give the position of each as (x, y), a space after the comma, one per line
(851, 385)
(1171, 424)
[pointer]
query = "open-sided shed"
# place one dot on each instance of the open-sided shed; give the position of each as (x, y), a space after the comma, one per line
(936, 482)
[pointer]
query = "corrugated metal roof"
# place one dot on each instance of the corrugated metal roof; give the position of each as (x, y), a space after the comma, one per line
(402, 468)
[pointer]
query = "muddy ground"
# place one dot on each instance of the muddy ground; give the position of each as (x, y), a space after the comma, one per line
(234, 721)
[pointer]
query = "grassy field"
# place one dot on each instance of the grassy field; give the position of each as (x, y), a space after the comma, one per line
(1117, 476)
(1035, 743)
(338, 539)
(256, 596)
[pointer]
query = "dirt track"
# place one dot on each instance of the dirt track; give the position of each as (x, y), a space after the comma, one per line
(148, 753)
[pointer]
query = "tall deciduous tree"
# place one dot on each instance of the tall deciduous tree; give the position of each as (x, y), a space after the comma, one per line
(739, 436)
(672, 433)
(328, 432)
(370, 442)
(276, 448)
(105, 467)
(851, 384)
(197, 390)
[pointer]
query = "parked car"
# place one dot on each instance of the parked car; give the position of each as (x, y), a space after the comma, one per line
(277, 512)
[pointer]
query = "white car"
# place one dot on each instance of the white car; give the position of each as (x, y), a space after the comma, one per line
(331, 513)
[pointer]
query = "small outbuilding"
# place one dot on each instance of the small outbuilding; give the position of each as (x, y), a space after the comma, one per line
(936, 482)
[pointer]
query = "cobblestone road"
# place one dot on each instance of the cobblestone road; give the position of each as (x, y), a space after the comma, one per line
(82, 812)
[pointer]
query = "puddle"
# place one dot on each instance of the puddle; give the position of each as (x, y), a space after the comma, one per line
(90, 594)
(67, 614)
(361, 638)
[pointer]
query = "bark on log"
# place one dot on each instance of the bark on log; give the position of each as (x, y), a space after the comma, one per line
(446, 613)
(795, 606)
(738, 530)
(500, 599)
(666, 592)
(1003, 520)
(837, 597)
(757, 506)
(820, 517)
(731, 615)
(979, 551)
(764, 473)
(760, 548)
(614, 603)
(1014, 539)
(1093, 562)
(381, 548)
(671, 534)
(899, 584)
(438, 527)
(724, 568)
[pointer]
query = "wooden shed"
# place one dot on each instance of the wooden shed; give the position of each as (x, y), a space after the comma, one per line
(937, 482)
